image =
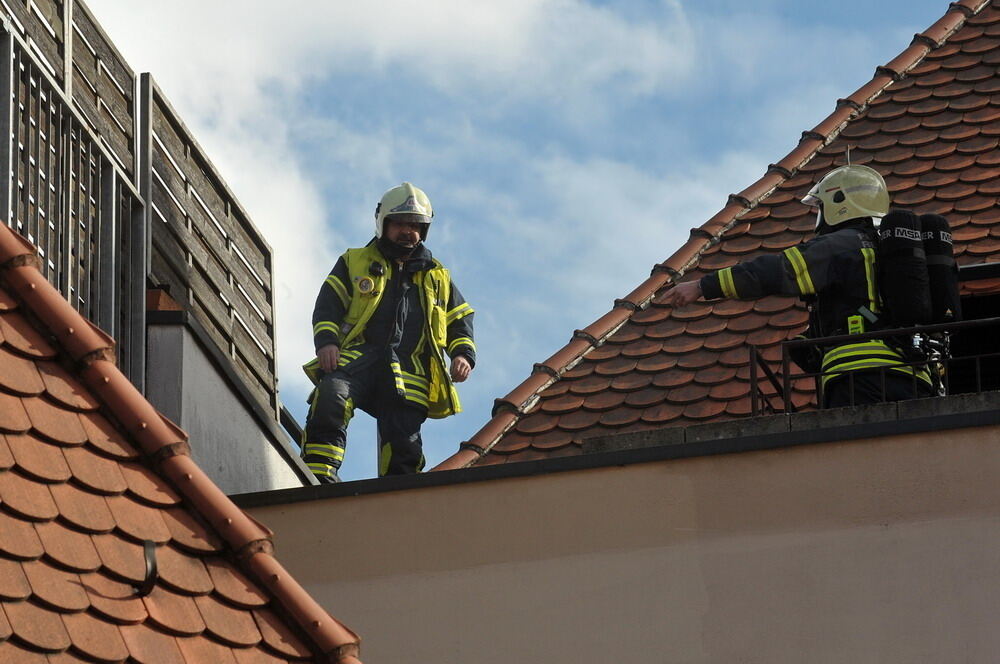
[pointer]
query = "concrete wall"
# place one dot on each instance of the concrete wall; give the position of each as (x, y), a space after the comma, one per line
(227, 441)
(879, 550)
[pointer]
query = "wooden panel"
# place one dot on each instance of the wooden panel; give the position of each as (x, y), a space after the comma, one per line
(45, 32)
(104, 88)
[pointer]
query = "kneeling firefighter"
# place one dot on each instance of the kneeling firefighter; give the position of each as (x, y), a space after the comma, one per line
(384, 319)
(835, 272)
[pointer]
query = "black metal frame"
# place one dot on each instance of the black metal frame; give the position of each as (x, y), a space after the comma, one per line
(760, 403)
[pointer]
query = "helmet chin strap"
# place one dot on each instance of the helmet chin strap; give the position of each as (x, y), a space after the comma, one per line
(394, 251)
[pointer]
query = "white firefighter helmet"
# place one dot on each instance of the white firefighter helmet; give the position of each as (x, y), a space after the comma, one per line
(404, 200)
(849, 192)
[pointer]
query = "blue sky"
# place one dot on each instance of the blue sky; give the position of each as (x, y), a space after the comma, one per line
(566, 145)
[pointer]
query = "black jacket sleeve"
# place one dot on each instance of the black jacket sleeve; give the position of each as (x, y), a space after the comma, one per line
(331, 305)
(805, 269)
(459, 318)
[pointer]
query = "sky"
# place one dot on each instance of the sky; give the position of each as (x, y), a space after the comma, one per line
(567, 146)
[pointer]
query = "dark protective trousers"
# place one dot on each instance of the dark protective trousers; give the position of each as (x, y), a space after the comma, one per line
(373, 391)
(863, 387)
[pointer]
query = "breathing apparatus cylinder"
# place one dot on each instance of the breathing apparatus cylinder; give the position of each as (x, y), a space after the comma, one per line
(902, 275)
(946, 304)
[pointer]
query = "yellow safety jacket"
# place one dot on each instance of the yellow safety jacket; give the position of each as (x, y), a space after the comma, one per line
(362, 297)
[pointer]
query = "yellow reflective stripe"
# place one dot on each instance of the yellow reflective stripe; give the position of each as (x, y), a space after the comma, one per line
(461, 311)
(416, 397)
(327, 450)
(460, 341)
(876, 348)
(413, 379)
(726, 282)
(324, 469)
(325, 325)
(869, 257)
(348, 356)
(875, 364)
(338, 287)
(384, 457)
(398, 376)
(802, 277)
(415, 356)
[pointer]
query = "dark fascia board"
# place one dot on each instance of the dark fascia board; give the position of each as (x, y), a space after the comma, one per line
(279, 440)
(769, 433)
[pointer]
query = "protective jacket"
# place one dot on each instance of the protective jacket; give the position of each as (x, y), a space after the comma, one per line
(411, 332)
(836, 272)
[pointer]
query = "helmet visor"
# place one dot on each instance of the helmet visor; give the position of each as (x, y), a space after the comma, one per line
(811, 200)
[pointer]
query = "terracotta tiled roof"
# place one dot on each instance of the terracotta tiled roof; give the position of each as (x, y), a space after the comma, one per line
(88, 472)
(929, 121)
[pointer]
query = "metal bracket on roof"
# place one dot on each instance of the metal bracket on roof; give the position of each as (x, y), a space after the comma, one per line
(625, 304)
(812, 135)
(701, 232)
(843, 101)
(580, 334)
(149, 580)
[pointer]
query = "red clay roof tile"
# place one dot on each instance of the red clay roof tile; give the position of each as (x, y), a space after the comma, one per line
(150, 646)
(55, 588)
(67, 547)
(38, 459)
(54, 424)
(120, 557)
(113, 600)
(20, 336)
(95, 638)
(146, 485)
(184, 573)
(13, 583)
(18, 538)
(37, 627)
(137, 521)
(933, 132)
(233, 586)
(95, 472)
(26, 498)
(233, 627)
(277, 635)
(200, 649)
(174, 613)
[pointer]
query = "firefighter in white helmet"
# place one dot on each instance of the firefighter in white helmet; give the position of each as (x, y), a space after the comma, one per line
(384, 320)
(835, 273)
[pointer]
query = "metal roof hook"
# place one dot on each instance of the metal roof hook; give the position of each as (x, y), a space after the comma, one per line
(149, 581)
(848, 155)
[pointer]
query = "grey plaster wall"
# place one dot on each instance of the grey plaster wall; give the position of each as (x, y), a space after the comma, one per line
(226, 439)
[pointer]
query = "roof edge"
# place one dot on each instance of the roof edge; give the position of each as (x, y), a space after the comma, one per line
(165, 444)
(705, 236)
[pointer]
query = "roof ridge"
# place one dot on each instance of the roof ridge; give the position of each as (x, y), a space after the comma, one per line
(509, 409)
(165, 445)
